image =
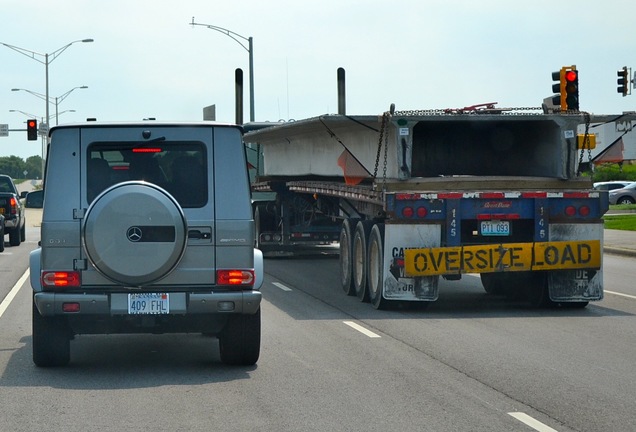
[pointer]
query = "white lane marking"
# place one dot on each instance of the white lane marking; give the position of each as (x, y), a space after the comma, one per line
(14, 291)
(621, 294)
(534, 424)
(361, 329)
(281, 286)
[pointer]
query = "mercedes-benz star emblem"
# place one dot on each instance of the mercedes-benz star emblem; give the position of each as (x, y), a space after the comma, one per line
(134, 234)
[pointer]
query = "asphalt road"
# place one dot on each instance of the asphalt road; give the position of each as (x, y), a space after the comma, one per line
(470, 362)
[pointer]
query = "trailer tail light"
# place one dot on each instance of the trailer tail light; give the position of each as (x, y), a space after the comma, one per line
(60, 279)
(581, 211)
(408, 212)
(235, 277)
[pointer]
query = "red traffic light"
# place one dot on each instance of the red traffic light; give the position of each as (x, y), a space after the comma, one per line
(32, 130)
(571, 76)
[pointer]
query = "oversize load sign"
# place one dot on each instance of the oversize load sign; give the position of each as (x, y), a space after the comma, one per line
(558, 255)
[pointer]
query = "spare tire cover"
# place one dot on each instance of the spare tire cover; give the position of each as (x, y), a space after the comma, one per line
(134, 233)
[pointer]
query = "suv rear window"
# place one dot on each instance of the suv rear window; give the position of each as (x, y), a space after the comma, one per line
(178, 167)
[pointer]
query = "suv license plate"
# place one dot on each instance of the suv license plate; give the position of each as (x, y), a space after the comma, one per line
(495, 228)
(148, 303)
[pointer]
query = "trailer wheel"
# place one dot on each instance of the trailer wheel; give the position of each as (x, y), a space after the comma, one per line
(346, 256)
(375, 270)
(535, 289)
(360, 245)
(493, 283)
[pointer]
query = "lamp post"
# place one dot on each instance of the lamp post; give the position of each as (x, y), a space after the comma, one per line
(58, 100)
(250, 50)
(45, 59)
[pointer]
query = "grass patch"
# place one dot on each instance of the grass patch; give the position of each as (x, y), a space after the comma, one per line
(609, 172)
(620, 222)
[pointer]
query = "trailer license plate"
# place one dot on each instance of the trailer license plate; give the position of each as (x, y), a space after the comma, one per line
(495, 228)
(148, 303)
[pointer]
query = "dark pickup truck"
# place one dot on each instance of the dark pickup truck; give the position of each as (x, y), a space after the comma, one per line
(12, 210)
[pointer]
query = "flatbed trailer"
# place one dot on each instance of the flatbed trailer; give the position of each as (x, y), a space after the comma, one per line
(412, 196)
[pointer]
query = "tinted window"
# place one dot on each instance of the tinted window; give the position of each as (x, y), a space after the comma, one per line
(178, 167)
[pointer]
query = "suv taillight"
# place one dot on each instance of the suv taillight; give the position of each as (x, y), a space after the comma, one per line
(61, 279)
(235, 277)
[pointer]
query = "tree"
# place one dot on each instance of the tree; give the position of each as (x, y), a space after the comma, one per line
(15, 167)
(34, 167)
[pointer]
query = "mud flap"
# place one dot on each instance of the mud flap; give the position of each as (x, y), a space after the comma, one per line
(398, 286)
(575, 285)
(579, 285)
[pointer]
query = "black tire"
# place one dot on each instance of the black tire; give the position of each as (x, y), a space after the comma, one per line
(2, 238)
(23, 232)
(493, 283)
(240, 341)
(625, 200)
(535, 289)
(14, 237)
(375, 266)
(51, 340)
(346, 256)
(359, 253)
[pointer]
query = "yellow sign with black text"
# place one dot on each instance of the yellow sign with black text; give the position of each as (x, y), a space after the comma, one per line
(504, 257)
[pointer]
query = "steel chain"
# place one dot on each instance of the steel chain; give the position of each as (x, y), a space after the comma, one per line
(385, 118)
(502, 111)
(386, 151)
(586, 142)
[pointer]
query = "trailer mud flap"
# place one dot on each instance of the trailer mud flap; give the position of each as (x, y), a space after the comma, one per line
(575, 285)
(503, 257)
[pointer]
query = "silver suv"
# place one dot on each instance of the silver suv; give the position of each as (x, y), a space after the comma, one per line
(146, 228)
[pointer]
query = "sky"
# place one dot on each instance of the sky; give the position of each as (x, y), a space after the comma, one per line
(147, 60)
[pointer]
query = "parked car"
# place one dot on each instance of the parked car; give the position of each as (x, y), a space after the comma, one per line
(611, 185)
(34, 199)
(626, 195)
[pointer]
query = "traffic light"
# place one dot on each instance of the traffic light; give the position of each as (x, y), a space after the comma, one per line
(572, 89)
(32, 130)
(623, 81)
(556, 88)
(567, 88)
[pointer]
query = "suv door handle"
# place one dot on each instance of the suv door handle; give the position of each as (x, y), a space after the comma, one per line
(197, 234)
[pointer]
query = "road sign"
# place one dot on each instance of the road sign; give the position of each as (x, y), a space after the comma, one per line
(4, 130)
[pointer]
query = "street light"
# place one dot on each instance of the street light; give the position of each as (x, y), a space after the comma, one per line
(58, 100)
(250, 50)
(45, 59)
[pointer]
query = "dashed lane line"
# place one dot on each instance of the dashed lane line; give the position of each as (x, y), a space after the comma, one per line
(281, 286)
(14, 291)
(533, 423)
(361, 329)
(621, 294)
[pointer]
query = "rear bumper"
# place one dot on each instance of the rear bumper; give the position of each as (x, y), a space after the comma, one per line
(181, 303)
(11, 222)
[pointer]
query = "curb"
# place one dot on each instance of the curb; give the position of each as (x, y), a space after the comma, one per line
(619, 251)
